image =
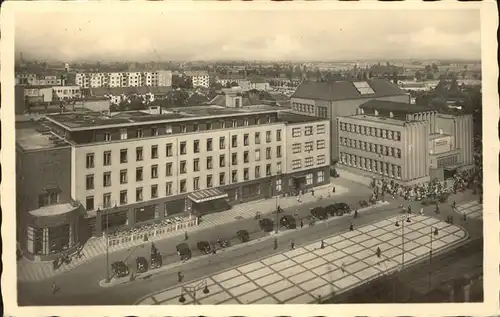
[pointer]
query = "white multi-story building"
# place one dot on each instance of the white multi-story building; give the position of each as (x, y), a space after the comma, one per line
(164, 78)
(199, 78)
(161, 78)
(134, 79)
(67, 92)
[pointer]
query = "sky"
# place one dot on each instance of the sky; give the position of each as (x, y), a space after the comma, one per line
(251, 35)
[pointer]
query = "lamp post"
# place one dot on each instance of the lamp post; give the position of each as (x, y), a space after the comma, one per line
(433, 232)
(405, 218)
(277, 203)
(191, 290)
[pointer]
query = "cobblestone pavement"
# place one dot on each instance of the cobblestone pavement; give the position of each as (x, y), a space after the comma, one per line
(309, 272)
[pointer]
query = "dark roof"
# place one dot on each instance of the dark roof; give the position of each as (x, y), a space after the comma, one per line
(393, 106)
(291, 117)
(101, 91)
(343, 90)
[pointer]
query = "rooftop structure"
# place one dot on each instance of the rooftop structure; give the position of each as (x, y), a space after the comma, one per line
(33, 135)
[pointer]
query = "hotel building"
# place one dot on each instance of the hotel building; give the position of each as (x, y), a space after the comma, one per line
(138, 167)
(403, 142)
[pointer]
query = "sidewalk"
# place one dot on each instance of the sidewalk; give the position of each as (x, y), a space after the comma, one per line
(28, 271)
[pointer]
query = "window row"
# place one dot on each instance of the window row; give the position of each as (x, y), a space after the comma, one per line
(303, 107)
(371, 147)
(308, 146)
(371, 165)
(308, 162)
(370, 131)
(308, 130)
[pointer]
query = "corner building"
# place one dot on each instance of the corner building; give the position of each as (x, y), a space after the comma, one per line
(138, 167)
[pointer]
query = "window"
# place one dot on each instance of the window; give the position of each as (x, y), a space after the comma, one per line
(209, 163)
(320, 160)
(168, 129)
(196, 146)
(89, 182)
(278, 185)
(183, 129)
(209, 181)
(183, 187)
(309, 146)
(234, 176)
(222, 160)
(154, 171)
(257, 121)
(246, 174)
(138, 154)
(107, 136)
(123, 177)
(309, 179)
(154, 191)
(89, 203)
(234, 124)
(138, 174)
(257, 137)
(234, 141)
(320, 129)
(296, 148)
(106, 179)
(309, 161)
(320, 176)
(168, 169)
(296, 164)
(138, 194)
(278, 135)
(296, 132)
(246, 141)
(246, 157)
(245, 122)
(123, 197)
(183, 167)
(222, 178)
(107, 158)
(168, 189)
(269, 120)
(90, 160)
(268, 136)
(48, 198)
(139, 134)
(183, 148)
(257, 171)
(222, 143)
(106, 200)
(308, 130)
(123, 134)
(168, 150)
(268, 169)
(234, 159)
(320, 144)
(154, 131)
(257, 155)
(209, 144)
(154, 151)
(209, 126)
(196, 165)
(196, 127)
(278, 167)
(268, 153)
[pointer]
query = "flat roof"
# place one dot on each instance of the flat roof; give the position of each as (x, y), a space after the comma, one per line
(32, 135)
(394, 106)
(292, 117)
(96, 120)
(379, 120)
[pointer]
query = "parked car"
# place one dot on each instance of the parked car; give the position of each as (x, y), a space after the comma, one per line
(343, 207)
(243, 235)
(142, 264)
(204, 247)
(288, 222)
(266, 224)
(183, 251)
(156, 260)
(319, 213)
(119, 269)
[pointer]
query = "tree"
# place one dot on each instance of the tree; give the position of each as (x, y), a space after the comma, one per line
(418, 75)
(430, 76)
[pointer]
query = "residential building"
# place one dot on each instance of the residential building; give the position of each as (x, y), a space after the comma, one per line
(140, 167)
(67, 92)
(162, 78)
(259, 84)
(342, 98)
(199, 78)
(38, 80)
(118, 94)
(403, 142)
(39, 93)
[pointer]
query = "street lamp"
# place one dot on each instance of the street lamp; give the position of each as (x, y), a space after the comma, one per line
(433, 232)
(191, 290)
(278, 175)
(405, 218)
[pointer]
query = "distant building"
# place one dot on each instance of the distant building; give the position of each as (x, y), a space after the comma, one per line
(38, 80)
(406, 143)
(67, 92)
(260, 84)
(199, 78)
(161, 78)
(118, 94)
(342, 98)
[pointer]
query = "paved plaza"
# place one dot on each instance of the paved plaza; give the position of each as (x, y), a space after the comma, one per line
(473, 209)
(303, 275)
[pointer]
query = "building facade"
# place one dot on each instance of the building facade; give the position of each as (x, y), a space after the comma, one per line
(135, 167)
(199, 78)
(408, 145)
(161, 78)
(67, 92)
(342, 98)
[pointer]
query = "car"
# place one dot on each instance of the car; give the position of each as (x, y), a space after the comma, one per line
(156, 260)
(319, 213)
(243, 235)
(183, 251)
(266, 224)
(119, 269)
(288, 222)
(142, 264)
(343, 207)
(204, 247)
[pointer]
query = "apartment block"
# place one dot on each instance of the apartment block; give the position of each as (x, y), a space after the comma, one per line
(161, 78)
(199, 78)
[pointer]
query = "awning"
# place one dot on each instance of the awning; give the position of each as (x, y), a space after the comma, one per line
(298, 176)
(207, 195)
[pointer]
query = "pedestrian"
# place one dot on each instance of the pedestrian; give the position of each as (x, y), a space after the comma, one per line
(185, 235)
(465, 217)
(333, 190)
(292, 245)
(301, 223)
(180, 276)
(275, 243)
(454, 205)
(343, 268)
(421, 211)
(312, 192)
(322, 244)
(409, 209)
(351, 228)
(54, 288)
(379, 252)
(356, 213)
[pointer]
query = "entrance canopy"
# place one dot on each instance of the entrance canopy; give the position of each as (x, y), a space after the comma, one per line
(207, 195)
